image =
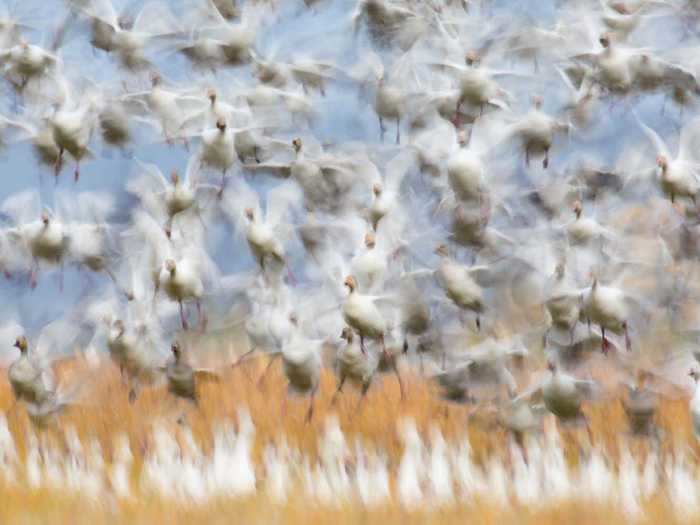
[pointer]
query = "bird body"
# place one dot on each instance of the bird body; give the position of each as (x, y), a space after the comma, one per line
(459, 286)
(562, 396)
(360, 312)
(606, 306)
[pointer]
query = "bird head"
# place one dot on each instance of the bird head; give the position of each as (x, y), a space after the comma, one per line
(174, 177)
(551, 365)
(250, 214)
(118, 327)
(21, 343)
(350, 283)
(537, 101)
(377, 189)
(347, 334)
(211, 95)
(605, 40)
(221, 124)
(370, 240)
(155, 79)
(45, 218)
(442, 250)
(293, 319)
(176, 350)
(471, 58)
(694, 374)
(170, 266)
(296, 144)
(662, 162)
(577, 208)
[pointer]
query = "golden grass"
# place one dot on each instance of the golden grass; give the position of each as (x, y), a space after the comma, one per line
(107, 412)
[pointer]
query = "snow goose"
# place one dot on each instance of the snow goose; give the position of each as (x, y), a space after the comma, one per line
(182, 282)
(477, 84)
(215, 39)
(583, 230)
(41, 240)
(389, 100)
(328, 180)
(72, 125)
(25, 62)
(362, 314)
(306, 71)
(266, 233)
(608, 307)
(218, 148)
(369, 266)
(388, 22)
(677, 176)
(354, 365)
(467, 166)
(168, 198)
(387, 191)
(641, 405)
(461, 283)
(537, 130)
(479, 373)
(31, 376)
(183, 378)
(301, 359)
(132, 334)
(178, 265)
(170, 106)
(128, 38)
(614, 65)
(563, 394)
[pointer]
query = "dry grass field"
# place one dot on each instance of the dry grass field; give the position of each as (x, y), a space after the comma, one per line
(105, 411)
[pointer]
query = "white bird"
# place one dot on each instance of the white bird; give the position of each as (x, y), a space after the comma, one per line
(301, 359)
(678, 177)
(362, 314)
(168, 198)
(266, 233)
(170, 107)
(128, 38)
(537, 130)
(387, 192)
(72, 126)
(608, 307)
(352, 364)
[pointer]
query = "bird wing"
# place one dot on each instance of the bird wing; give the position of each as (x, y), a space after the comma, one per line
(281, 200)
(156, 19)
(103, 10)
(659, 144)
(688, 142)
(22, 207)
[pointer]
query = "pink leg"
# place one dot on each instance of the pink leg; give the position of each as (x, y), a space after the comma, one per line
(202, 317)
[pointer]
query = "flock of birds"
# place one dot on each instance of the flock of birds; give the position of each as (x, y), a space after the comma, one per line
(440, 185)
